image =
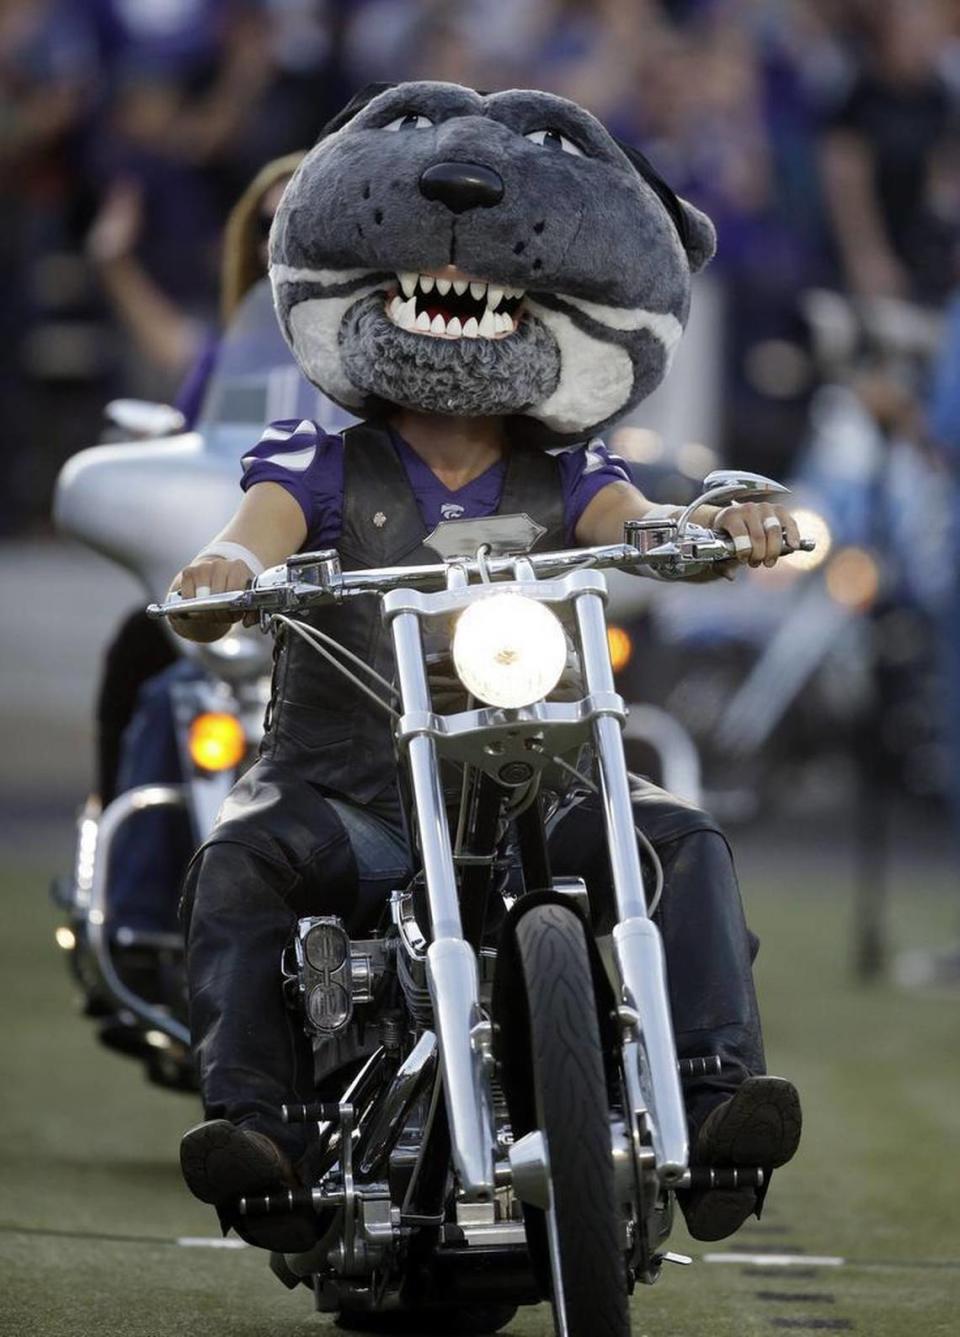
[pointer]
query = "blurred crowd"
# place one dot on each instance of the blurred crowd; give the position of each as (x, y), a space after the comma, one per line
(822, 136)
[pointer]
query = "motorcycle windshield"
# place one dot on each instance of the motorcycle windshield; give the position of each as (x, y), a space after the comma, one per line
(150, 505)
(255, 381)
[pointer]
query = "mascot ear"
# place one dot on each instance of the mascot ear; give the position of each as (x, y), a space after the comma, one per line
(696, 232)
(701, 242)
(355, 105)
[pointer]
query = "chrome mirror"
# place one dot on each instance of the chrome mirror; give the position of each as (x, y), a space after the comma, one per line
(144, 420)
(724, 486)
(741, 485)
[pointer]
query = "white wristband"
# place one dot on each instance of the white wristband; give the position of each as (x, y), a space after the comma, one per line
(233, 552)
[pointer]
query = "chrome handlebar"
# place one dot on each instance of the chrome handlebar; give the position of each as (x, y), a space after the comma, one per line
(653, 548)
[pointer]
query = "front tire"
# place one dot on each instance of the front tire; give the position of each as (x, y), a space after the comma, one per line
(583, 1231)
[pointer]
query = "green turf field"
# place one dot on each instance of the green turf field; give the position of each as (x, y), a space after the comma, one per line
(91, 1206)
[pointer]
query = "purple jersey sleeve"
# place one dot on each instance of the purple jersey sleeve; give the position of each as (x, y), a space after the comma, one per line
(585, 471)
(308, 463)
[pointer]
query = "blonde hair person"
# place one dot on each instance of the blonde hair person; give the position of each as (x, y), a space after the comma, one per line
(170, 340)
(245, 236)
(175, 344)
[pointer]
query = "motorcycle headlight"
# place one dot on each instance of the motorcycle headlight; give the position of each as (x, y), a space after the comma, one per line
(509, 650)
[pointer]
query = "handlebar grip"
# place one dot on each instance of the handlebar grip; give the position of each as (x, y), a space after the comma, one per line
(805, 545)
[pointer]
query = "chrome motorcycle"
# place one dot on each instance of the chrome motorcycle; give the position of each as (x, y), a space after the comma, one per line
(515, 1129)
(137, 503)
(148, 498)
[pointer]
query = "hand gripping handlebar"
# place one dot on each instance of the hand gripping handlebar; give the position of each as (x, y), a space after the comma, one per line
(653, 548)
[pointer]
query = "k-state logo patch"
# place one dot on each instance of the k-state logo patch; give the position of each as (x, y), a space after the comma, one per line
(450, 510)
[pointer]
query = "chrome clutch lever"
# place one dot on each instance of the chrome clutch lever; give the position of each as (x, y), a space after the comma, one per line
(303, 579)
(238, 602)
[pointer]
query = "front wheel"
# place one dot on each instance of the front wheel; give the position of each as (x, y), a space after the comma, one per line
(582, 1230)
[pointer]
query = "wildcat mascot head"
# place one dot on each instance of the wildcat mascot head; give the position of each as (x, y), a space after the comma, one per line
(571, 261)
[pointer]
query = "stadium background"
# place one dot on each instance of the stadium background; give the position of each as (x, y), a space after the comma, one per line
(823, 138)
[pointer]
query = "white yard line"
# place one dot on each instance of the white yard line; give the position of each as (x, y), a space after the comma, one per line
(205, 1242)
(776, 1259)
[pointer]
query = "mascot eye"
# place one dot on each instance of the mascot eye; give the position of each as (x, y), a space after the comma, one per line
(409, 121)
(552, 139)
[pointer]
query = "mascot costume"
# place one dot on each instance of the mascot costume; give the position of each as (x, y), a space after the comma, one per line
(499, 269)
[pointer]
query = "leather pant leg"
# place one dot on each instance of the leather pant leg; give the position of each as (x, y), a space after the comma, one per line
(709, 950)
(278, 852)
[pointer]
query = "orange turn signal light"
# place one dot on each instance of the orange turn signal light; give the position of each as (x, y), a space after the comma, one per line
(620, 646)
(217, 741)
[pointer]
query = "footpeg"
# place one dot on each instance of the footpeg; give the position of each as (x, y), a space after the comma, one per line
(710, 1065)
(708, 1177)
(317, 1112)
(287, 1201)
(276, 1204)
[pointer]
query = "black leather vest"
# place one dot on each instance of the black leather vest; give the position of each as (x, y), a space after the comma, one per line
(318, 723)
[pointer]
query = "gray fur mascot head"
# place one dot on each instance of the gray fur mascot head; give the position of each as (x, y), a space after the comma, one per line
(571, 261)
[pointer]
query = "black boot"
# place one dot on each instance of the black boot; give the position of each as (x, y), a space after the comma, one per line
(757, 1126)
(222, 1163)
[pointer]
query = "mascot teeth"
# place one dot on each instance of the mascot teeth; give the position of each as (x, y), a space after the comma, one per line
(458, 308)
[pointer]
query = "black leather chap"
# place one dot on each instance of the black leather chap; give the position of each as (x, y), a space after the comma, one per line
(318, 723)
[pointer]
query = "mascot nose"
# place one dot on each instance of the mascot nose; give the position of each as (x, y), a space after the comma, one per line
(462, 185)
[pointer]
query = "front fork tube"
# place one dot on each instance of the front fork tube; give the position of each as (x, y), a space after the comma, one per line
(462, 1033)
(638, 949)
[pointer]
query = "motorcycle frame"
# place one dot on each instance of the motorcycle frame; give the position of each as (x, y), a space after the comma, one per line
(649, 1143)
(489, 738)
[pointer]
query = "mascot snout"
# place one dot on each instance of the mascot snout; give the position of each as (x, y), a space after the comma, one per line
(462, 186)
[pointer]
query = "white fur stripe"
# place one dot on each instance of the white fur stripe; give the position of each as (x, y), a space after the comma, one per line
(596, 378)
(314, 337)
(330, 278)
(661, 324)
